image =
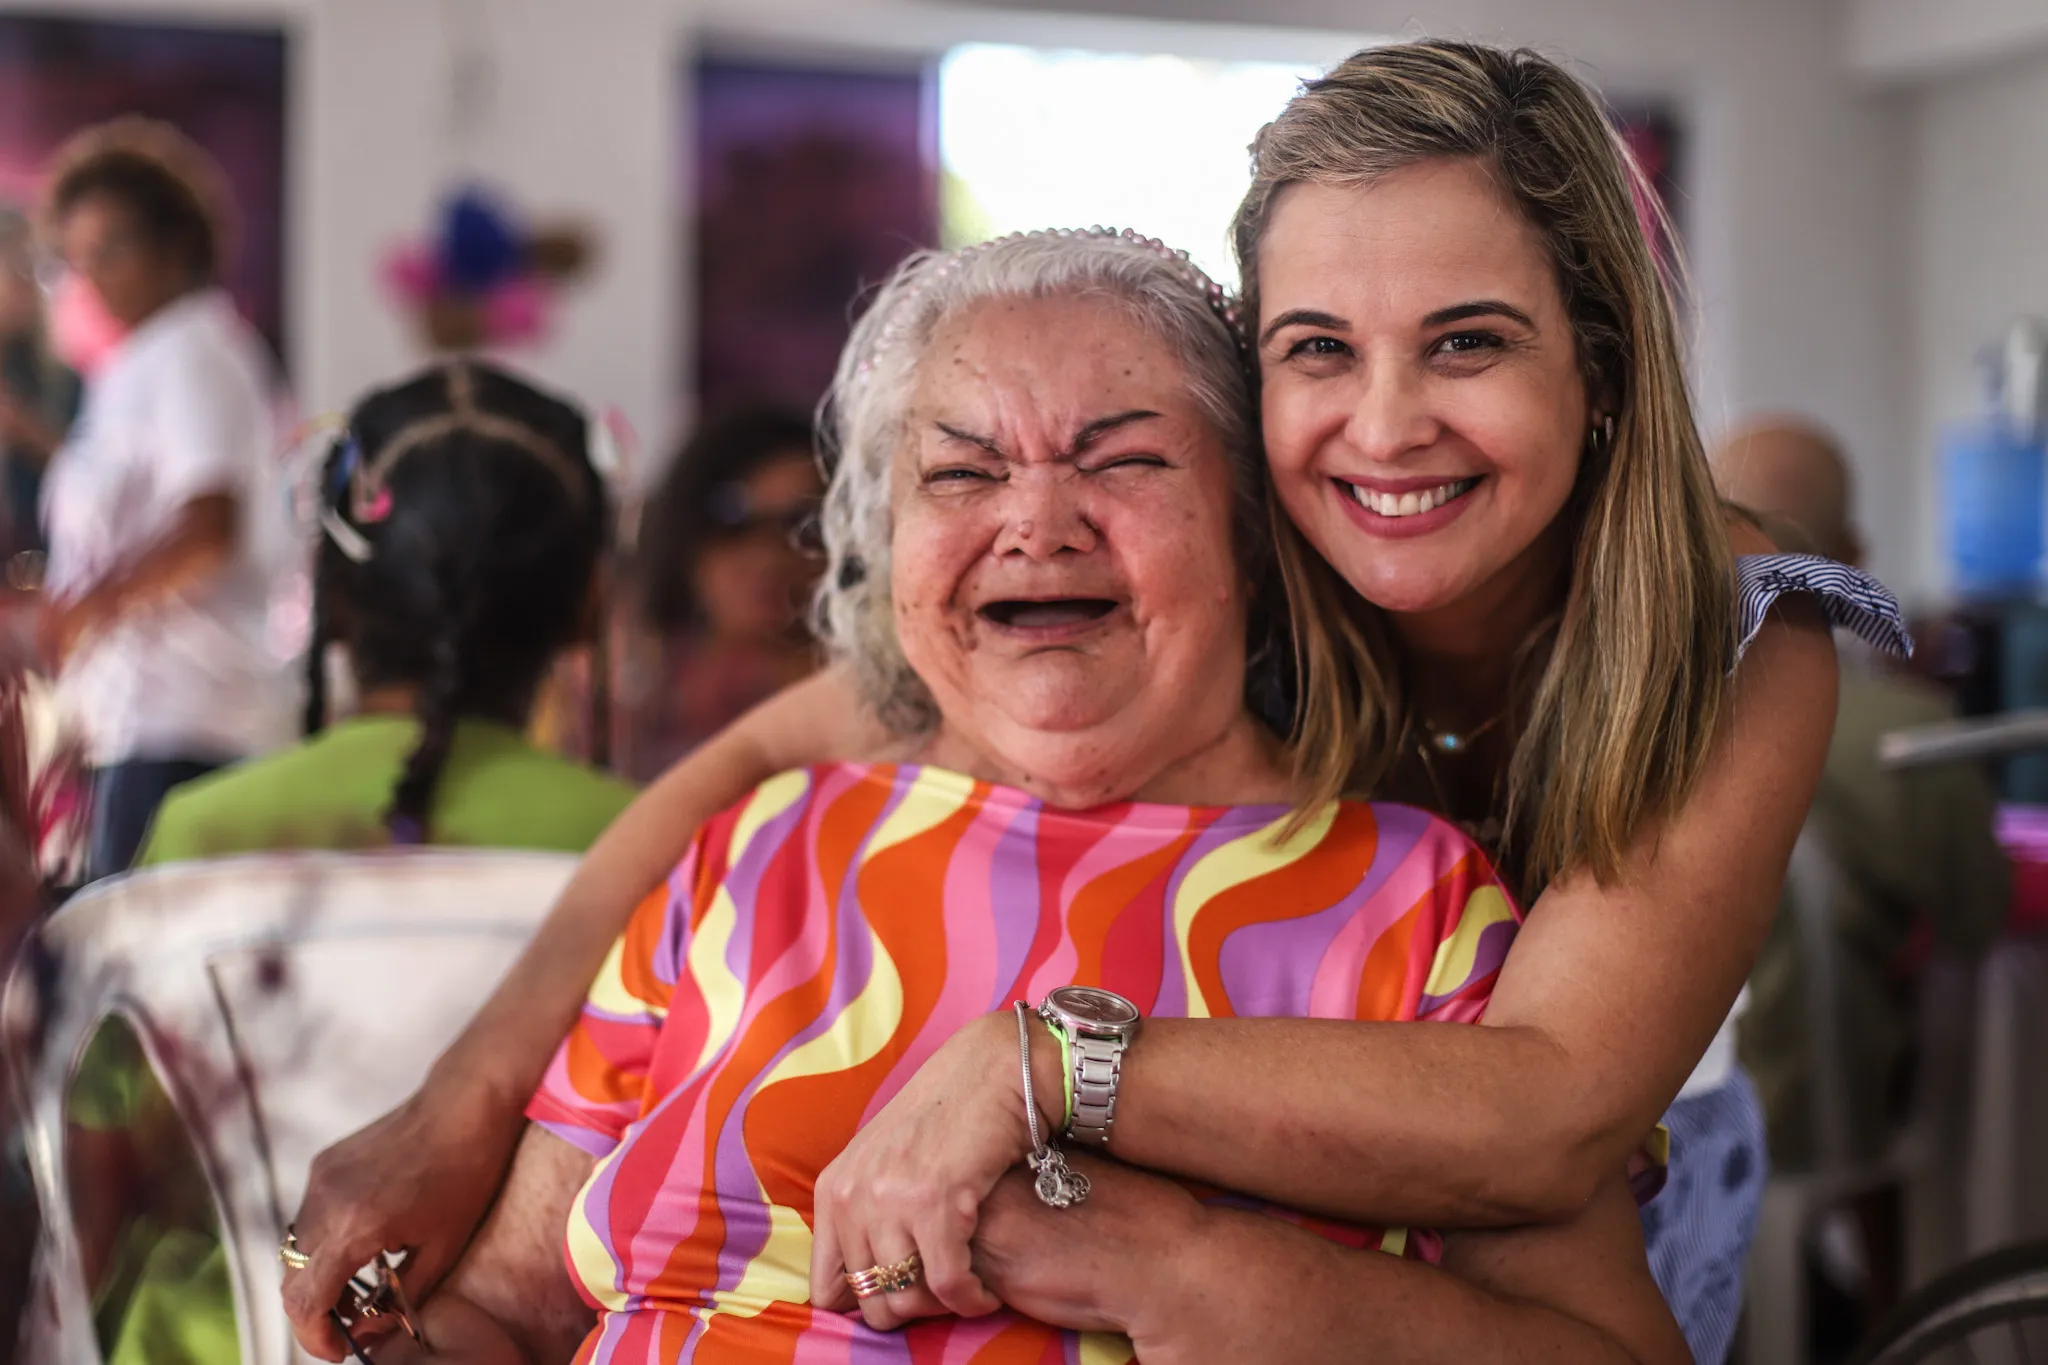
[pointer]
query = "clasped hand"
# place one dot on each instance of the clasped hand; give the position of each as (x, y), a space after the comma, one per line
(939, 1172)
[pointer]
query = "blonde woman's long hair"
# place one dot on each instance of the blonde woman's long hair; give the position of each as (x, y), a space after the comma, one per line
(1625, 687)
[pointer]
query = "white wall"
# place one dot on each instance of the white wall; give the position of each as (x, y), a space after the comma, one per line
(1916, 39)
(1797, 222)
(1980, 248)
(579, 120)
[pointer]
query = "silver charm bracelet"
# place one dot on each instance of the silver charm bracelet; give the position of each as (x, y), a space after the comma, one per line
(1057, 1186)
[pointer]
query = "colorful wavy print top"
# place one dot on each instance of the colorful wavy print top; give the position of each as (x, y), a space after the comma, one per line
(826, 935)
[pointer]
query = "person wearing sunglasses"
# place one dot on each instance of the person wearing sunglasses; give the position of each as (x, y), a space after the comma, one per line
(721, 578)
(167, 529)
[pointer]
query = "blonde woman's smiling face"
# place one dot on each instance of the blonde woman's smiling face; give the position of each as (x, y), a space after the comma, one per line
(1423, 407)
(1062, 572)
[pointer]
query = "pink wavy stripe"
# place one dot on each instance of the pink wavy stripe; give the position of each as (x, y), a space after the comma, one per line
(1335, 992)
(1128, 841)
(971, 957)
(657, 1238)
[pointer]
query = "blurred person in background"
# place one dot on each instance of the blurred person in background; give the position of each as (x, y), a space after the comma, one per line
(1915, 852)
(38, 393)
(722, 584)
(1913, 849)
(461, 526)
(165, 523)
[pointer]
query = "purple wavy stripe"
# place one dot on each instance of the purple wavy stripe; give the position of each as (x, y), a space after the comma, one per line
(586, 1140)
(1269, 969)
(743, 877)
(1014, 893)
(610, 1327)
(851, 972)
(1494, 942)
(1173, 984)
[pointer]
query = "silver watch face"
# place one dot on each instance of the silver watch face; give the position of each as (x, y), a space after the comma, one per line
(1087, 1006)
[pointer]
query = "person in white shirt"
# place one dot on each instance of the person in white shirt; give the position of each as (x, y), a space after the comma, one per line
(165, 518)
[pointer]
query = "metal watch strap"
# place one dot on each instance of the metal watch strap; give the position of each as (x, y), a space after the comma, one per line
(1098, 1064)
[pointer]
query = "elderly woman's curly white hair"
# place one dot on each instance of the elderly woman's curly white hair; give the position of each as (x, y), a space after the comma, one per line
(865, 415)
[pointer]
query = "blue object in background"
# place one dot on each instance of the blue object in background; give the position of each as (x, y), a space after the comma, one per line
(1993, 505)
(480, 246)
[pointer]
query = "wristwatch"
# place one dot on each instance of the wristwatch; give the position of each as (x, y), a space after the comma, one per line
(1098, 1025)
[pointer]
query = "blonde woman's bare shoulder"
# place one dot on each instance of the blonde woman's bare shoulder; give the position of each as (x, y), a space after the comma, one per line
(1746, 533)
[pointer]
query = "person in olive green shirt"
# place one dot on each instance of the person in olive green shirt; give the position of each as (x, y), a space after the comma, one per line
(462, 523)
(1908, 848)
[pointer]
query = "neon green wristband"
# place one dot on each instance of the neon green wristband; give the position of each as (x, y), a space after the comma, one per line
(1066, 1076)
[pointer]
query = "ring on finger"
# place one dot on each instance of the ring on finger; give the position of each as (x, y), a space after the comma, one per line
(289, 1253)
(886, 1279)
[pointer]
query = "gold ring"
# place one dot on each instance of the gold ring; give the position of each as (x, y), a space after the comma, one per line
(289, 1252)
(886, 1279)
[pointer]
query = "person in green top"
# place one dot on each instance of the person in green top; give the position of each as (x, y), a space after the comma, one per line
(461, 526)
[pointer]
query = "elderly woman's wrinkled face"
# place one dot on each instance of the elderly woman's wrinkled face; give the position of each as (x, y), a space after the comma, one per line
(1063, 576)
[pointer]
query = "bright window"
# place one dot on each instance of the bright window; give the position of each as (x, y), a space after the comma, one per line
(1032, 138)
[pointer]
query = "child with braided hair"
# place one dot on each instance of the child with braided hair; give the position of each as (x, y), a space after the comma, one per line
(461, 525)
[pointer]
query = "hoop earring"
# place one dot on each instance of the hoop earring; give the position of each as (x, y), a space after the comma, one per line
(1601, 439)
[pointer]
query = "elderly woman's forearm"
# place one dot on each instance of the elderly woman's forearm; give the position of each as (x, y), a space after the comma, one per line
(1384, 1123)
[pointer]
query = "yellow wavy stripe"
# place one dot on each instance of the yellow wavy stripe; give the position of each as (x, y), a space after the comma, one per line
(1485, 908)
(723, 993)
(1235, 863)
(608, 992)
(1106, 1348)
(596, 1269)
(925, 806)
(769, 800)
(863, 1028)
(780, 1273)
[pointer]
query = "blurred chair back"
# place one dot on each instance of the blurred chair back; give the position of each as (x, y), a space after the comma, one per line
(1923, 1160)
(284, 1001)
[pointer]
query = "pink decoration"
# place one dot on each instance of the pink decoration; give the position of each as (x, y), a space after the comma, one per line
(409, 274)
(82, 332)
(516, 312)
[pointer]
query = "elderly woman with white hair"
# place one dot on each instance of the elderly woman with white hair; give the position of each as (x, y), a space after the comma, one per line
(1046, 534)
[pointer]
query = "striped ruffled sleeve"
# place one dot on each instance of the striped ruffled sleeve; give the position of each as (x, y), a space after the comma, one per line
(1850, 599)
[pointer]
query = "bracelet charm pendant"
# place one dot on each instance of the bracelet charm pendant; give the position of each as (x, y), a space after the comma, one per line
(1058, 1187)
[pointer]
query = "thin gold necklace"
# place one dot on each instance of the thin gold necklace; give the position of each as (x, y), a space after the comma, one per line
(1458, 741)
(1487, 831)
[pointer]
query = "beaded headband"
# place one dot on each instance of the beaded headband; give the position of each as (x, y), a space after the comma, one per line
(366, 484)
(1221, 301)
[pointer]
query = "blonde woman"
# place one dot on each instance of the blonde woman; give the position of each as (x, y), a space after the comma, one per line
(1517, 602)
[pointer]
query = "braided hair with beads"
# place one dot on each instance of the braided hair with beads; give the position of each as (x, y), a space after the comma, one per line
(463, 521)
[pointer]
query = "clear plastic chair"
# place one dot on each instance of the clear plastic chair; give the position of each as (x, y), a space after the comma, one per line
(283, 1002)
